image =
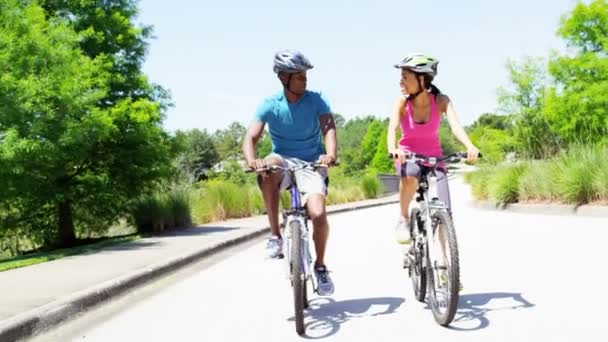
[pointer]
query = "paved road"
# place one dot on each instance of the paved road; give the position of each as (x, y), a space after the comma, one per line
(525, 277)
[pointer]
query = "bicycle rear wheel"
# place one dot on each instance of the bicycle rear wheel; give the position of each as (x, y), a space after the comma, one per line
(443, 271)
(417, 270)
(297, 276)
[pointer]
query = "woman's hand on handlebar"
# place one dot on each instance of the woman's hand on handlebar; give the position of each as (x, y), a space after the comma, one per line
(472, 154)
(399, 154)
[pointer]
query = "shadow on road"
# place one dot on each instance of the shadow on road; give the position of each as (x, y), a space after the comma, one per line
(474, 308)
(325, 315)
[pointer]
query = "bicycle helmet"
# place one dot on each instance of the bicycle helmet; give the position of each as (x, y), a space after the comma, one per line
(290, 61)
(420, 64)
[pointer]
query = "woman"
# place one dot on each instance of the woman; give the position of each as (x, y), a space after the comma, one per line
(419, 112)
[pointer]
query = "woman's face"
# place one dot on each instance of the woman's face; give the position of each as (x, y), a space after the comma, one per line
(409, 82)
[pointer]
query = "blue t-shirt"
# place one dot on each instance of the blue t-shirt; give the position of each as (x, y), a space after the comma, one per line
(294, 128)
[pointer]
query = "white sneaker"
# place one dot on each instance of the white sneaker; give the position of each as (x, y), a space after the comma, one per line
(402, 231)
(274, 247)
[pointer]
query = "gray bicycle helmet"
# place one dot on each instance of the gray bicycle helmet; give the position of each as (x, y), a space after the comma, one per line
(420, 64)
(290, 61)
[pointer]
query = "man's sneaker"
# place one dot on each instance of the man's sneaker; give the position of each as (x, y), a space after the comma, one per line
(274, 247)
(402, 231)
(325, 285)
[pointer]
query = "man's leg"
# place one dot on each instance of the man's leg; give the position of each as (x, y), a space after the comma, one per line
(270, 186)
(318, 215)
(313, 186)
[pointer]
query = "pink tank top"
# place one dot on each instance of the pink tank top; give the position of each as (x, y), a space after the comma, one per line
(422, 138)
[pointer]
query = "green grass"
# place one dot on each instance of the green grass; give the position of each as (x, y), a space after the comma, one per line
(537, 183)
(371, 186)
(220, 199)
(40, 257)
(479, 181)
(576, 176)
(161, 211)
(503, 185)
(576, 168)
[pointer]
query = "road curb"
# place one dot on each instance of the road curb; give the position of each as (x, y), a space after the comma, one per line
(38, 320)
(546, 209)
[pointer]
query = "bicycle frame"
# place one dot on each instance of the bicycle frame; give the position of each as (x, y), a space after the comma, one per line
(428, 200)
(296, 215)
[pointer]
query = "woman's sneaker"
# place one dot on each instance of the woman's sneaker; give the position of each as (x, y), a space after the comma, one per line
(402, 231)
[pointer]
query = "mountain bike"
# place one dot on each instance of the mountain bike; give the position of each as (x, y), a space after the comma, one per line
(432, 260)
(294, 229)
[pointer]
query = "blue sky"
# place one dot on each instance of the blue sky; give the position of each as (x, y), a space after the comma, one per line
(216, 56)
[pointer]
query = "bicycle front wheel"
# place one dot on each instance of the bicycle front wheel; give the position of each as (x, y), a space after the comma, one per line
(297, 276)
(417, 269)
(443, 268)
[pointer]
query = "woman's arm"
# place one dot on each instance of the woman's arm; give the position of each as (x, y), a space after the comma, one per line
(457, 128)
(393, 125)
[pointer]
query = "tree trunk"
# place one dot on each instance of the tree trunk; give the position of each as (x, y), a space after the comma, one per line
(66, 236)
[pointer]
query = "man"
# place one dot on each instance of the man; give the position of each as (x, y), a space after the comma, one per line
(296, 119)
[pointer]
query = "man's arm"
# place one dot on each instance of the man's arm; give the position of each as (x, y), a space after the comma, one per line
(328, 127)
(254, 132)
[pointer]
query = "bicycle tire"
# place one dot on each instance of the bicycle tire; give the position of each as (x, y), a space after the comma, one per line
(445, 317)
(417, 271)
(297, 277)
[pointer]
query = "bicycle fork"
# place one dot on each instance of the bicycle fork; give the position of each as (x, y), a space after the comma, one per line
(305, 258)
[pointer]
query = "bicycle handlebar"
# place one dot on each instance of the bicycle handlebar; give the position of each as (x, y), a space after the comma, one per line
(415, 157)
(273, 168)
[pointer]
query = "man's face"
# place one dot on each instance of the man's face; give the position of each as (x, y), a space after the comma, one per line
(297, 84)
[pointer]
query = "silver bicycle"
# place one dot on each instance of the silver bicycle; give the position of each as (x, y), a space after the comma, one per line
(432, 261)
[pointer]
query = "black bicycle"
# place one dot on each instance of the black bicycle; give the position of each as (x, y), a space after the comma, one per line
(432, 261)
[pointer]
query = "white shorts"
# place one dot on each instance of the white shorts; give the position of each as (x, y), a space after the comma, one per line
(309, 181)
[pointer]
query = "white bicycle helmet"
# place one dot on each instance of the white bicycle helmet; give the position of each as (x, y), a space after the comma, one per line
(420, 64)
(290, 61)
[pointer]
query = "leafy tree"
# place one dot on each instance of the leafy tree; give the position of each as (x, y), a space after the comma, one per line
(198, 153)
(68, 163)
(264, 146)
(524, 101)
(381, 163)
(229, 141)
(107, 29)
(577, 106)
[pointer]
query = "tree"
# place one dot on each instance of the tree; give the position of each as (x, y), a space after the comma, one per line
(491, 120)
(229, 141)
(369, 144)
(577, 106)
(586, 27)
(68, 163)
(525, 100)
(264, 146)
(449, 144)
(381, 162)
(106, 29)
(198, 153)
(349, 142)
